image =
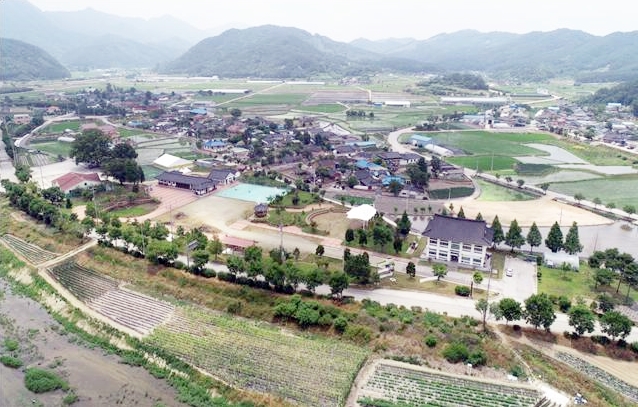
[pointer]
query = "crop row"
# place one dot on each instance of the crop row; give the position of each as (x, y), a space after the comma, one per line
(258, 357)
(101, 293)
(600, 375)
(32, 253)
(419, 387)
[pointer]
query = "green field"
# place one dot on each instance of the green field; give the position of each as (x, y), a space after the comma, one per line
(323, 108)
(306, 370)
(574, 284)
(73, 125)
(493, 192)
(620, 190)
(484, 163)
(597, 155)
(133, 211)
(150, 172)
(53, 147)
(269, 99)
(487, 143)
(126, 132)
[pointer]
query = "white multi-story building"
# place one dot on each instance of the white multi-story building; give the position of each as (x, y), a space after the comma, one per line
(456, 240)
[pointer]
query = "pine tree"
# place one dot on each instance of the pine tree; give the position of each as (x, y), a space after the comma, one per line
(514, 237)
(554, 241)
(479, 216)
(498, 231)
(572, 242)
(461, 214)
(534, 238)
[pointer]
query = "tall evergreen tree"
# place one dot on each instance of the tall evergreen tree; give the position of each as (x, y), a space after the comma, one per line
(554, 241)
(514, 237)
(498, 231)
(461, 214)
(534, 238)
(572, 242)
(479, 216)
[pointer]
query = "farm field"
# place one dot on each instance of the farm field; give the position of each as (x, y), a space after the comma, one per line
(73, 125)
(258, 357)
(485, 163)
(30, 252)
(619, 190)
(488, 143)
(52, 147)
(493, 192)
(417, 387)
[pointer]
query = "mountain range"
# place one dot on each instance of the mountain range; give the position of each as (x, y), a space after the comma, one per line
(21, 62)
(90, 39)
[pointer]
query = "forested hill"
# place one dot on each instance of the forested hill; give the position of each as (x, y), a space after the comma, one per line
(625, 93)
(281, 52)
(22, 62)
(532, 56)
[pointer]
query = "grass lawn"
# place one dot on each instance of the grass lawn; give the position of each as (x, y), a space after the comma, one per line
(73, 125)
(619, 190)
(405, 282)
(485, 163)
(574, 284)
(134, 211)
(355, 200)
(53, 147)
(305, 198)
(486, 143)
(493, 192)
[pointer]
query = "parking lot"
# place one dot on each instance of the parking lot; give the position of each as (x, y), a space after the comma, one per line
(522, 284)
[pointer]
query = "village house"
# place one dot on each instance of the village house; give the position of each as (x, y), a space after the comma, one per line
(175, 179)
(222, 176)
(458, 240)
(75, 180)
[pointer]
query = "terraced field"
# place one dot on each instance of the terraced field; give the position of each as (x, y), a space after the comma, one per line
(422, 387)
(262, 358)
(103, 294)
(30, 252)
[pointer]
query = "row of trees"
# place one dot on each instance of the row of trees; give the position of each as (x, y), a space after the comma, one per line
(538, 310)
(514, 237)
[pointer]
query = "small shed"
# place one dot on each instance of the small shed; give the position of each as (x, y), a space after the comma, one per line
(556, 260)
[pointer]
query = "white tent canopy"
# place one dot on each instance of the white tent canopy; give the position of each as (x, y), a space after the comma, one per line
(363, 212)
(171, 161)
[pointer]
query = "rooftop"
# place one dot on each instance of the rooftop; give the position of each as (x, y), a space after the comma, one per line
(459, 230)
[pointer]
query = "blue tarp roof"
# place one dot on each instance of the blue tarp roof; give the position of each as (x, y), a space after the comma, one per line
(198, 111)
(362, 164)
(420, 137)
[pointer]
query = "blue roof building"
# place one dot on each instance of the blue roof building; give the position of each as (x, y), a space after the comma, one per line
(387, 180)
(198, 111)
(362, 164)
(362, 144)
(420, 140)
(213, 144)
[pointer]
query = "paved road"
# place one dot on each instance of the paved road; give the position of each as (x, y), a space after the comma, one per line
(7, 170)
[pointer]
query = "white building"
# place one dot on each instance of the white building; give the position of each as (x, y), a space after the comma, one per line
(456, 240)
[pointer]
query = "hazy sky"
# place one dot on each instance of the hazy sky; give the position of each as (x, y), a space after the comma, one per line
(345, 20)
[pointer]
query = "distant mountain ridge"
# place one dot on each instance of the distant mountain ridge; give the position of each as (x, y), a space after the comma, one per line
(534, 55)
(281, 52)
(20, 61)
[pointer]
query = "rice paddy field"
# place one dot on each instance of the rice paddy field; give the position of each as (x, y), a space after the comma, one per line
(621, 190)
(493, 192)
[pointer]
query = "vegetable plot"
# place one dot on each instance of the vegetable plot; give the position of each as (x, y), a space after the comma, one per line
(32, 253)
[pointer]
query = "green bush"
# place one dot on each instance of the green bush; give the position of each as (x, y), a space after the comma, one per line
(42, 381)
(340, 324)
(462, 290)
(430, 341)
(11, 344)
(564, 303)
(517, 371)
(209, 273)
(477, 358)
(456, 352)
(70, 398)
(358, 333)
(634, 346)
(10, 361)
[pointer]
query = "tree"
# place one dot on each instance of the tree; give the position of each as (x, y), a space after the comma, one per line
(410, 269)
(615, 324)
(296, 253)
(123, 170)
(123, 150)
(23, 173)
(253, 253)
(572, 242)
(510, 309)
(461, 214)
(313, 278)
(479, 216)
(418, 173)
(435, 165)
(161, 250)
(439, 270)
(498, 231)
(215, 247)
(338, 282)
(544, 186)
(404, 225)
(395, 187)
(358, 268)
(539, 311)
(554, 241)
(236, 113)
(534, 238)
(597, 202)
(579, 197)
(91, 147)
(349, 235)
(630, 209)
(482, 306)
(54, 195)
(514, 237)
(235, 264)
(320, 250)
(381, 235)
(603, 277)
(199, 257)
(520, 183)
(477, 278)
(582, 319)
